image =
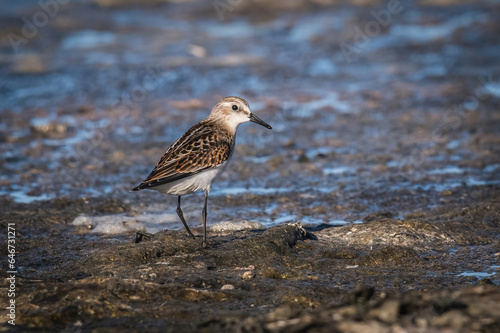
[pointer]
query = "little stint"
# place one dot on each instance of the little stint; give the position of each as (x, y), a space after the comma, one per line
(193, 162)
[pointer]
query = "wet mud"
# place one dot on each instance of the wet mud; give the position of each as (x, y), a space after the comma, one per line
(434, 272)
(372, 206)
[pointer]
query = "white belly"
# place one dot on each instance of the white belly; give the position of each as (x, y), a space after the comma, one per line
(201, 181)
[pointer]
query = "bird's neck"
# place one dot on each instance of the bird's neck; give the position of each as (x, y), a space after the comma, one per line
(225, 123)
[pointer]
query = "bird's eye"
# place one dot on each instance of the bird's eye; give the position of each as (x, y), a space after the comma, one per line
(235, 107)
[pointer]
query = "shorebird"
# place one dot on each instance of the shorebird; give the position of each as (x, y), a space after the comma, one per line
(193, 162)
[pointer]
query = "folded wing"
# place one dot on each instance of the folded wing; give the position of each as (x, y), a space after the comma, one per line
(201, 148)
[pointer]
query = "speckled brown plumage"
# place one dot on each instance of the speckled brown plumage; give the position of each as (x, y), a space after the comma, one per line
(202, 147)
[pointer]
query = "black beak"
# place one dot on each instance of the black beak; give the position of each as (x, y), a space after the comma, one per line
(254, 119)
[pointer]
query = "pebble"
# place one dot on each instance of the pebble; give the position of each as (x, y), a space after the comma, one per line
(248, 275)
(227, 287)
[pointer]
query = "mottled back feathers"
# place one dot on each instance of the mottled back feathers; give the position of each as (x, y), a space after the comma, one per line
(203, 146)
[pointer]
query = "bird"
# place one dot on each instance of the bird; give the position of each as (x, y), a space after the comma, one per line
(193, 162)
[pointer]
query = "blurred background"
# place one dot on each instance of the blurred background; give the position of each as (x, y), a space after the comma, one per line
(375, 105)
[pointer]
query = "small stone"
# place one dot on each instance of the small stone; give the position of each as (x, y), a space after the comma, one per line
(248, 275)
(446, 193)
(227, 287)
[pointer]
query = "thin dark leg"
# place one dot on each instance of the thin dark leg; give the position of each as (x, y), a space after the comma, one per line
(205, 219)
(181, 216)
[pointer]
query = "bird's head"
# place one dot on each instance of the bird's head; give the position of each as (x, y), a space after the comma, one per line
(234, 111)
